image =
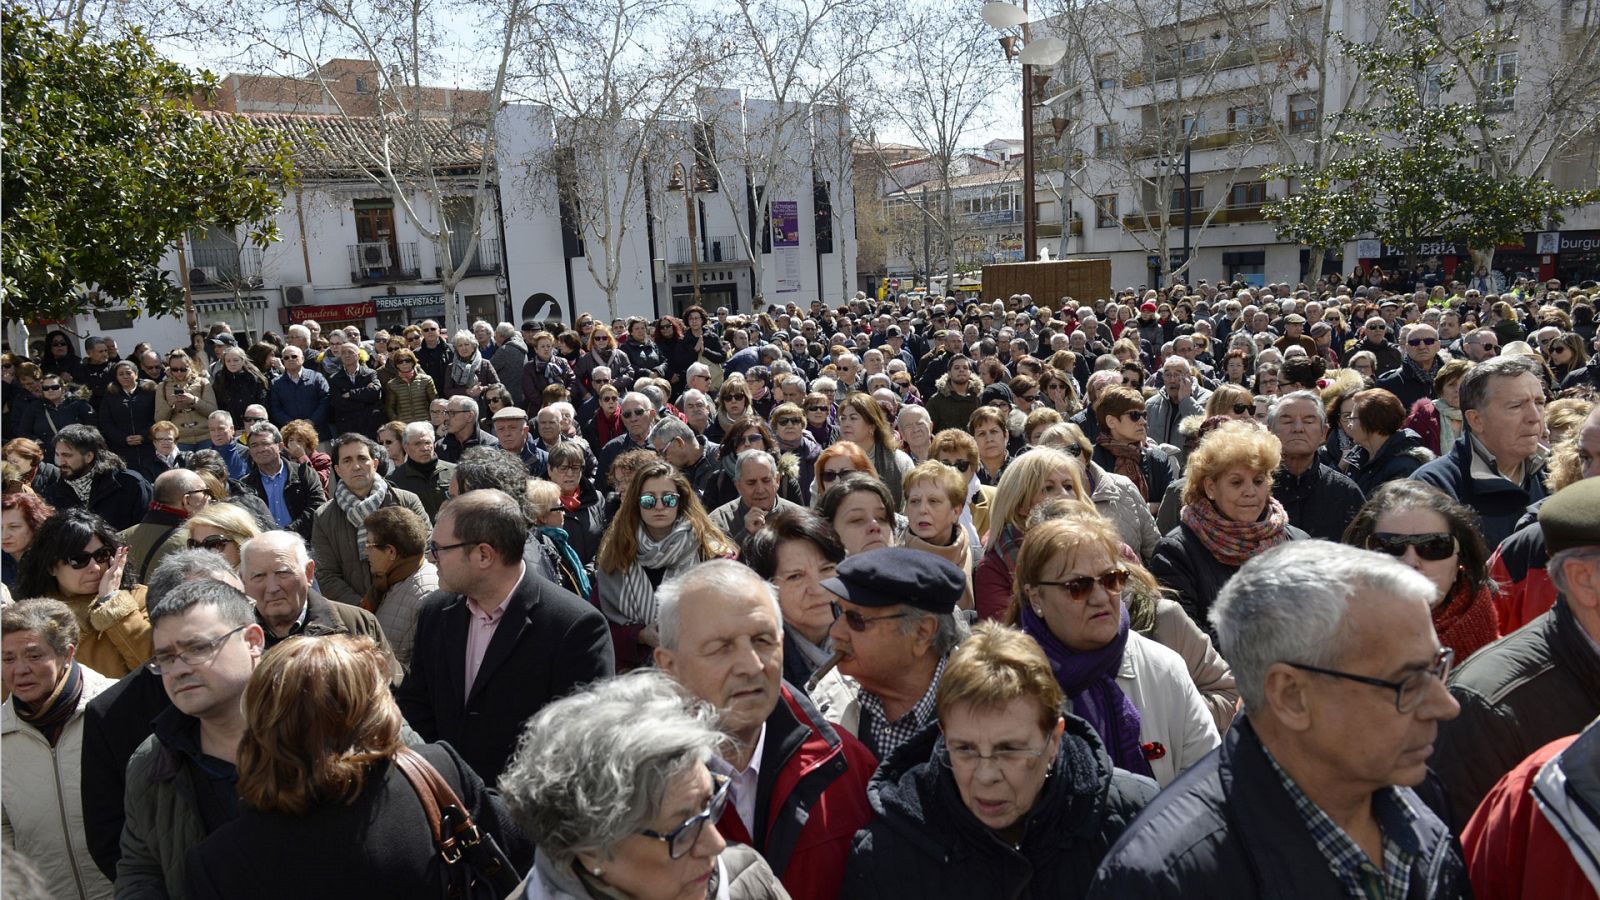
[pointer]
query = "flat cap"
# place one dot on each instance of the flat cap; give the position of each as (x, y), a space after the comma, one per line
(1295, 319)
(895, 575)
(1571, 517)
(510, 412)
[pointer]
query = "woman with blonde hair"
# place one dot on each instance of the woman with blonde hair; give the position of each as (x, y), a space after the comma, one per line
(1231, 401)
(322, 768)
(185, 399)
(1114, 496)
(935, 497)
(221, 528)
(1036, 476)
(861, 422)
(406, 396)
(601, 350)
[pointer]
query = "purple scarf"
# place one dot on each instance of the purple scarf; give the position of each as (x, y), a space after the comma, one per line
(1090, 681)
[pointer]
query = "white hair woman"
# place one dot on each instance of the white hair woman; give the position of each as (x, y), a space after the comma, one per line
(614, 783)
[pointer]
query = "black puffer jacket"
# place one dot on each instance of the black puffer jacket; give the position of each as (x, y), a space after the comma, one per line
(924, 842)
(1182, 563)
(1403, 453)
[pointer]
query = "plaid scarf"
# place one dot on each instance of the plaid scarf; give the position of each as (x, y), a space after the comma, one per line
(1233, 543)
(356, 509)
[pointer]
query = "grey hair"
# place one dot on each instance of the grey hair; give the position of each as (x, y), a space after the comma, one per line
(232, 606)
(461, 403)
(298, 330)
(266, 428)
(636, 397)
(695, 395)
(720, 576)
(505, 331)
(1475, 384)
(463, 334)
(190, 565)
(760, 456)
(593, 768)
(824, 385)
(1556, 567)
(953, 629)
(1308, 396)
(277, 537)
(699, 369)
(912, 411)
(414, 429)
(1290, 604)
(221, 415)
(670, 428)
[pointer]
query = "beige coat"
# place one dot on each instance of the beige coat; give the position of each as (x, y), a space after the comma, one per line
(1207, 669)
(41, 806)
(191, 422)
(115, 636)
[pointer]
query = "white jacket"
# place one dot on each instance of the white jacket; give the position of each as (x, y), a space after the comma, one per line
(1171, 710)
(41, 806)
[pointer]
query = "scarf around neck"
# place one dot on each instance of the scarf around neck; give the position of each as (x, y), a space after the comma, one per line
(1425, 376)
(56, 710)
(1233, 543)
(356, 509)
(1129, 460)
(464, 371)
(628, 597)
(1090, 682)
(1465, 620)
(569, 556)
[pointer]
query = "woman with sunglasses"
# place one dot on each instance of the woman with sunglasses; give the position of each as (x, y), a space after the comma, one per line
(1231, 401)
(1136, 693)
(221, 528)
(1039, 475)
(601, 350)
(819, 418)
(185, 398)
(1229, 516)
(660, 529)
(407, 395)
(607, 421)
(647, 750)
(1385, 450)
(320, 769)
(60, 355)
(77, 558)
(833, 463)
(1123, 447)
(792, 440)
(1567, 354)
(1011, 795)
(127, 411)
(733, 404)
(1432, 533)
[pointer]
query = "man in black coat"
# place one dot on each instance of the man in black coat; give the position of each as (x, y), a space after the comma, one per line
(95, 478)
(461, 430)
(1334, 652)
(1413, 378)
(1320, 500)
(292, 490)
(497, 642)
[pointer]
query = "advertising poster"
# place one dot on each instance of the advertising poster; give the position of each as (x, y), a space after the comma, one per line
(786, 244)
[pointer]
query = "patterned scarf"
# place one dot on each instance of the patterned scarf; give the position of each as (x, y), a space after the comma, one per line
(1129, 459)
(56, 710)
(1450, 424)
(1465, 621)
(627, 597)
(82, 485)
(1008, 544)
(356, 509)
(464, 372)
(1232, 543)
(1089, 679)
(1423, 375)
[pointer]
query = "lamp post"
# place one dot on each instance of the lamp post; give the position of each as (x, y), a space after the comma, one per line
(679, 183)
(1043, 52)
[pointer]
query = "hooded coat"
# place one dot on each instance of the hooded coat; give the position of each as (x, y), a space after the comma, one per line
(951, 410)
(925, 843)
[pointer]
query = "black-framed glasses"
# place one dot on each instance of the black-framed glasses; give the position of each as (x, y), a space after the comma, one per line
(960, 465)
(632, 413)
(857, 621)
(195, 654)
(212, 542)
(1239, 408)
(1079, 588)
(1418, 342)
(1030, 397)
(1408, 691)
(682, 839)
(1432, 546)
(649, 501)
(251, 420)
(787, 421)
(1134, 415)
(103, 556)
(434, 549)
(51, 388)
(754, 437)
(830, 476)
(816, 409)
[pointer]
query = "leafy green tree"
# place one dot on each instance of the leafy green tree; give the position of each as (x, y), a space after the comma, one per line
(1418, 162)
(107, 163)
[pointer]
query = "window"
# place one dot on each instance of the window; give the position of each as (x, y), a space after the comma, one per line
(1105, 211)
(1247, 194)
(1106, 67)
(1244, 118)
(1303, 113)
(361, 85)
(1432, 88)
(1105, 137)
(1500, 81)
(1192, 125)
(1194, 51)
(1197, 198)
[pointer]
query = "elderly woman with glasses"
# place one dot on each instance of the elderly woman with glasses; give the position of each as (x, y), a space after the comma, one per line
(221, 528)
(1011, 795)
(77, 558)
(617, 787)
(1123, 446)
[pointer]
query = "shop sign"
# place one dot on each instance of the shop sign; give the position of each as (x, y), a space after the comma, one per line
(1577, 242)
(1369, 248)
(385, 302)
(1429, 247)
(338, 312)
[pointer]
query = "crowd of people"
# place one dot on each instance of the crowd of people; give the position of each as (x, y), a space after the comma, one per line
(1209, 591)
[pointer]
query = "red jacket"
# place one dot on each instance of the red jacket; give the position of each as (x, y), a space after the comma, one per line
(991, 585)
(1513, 853)
(812, 795)
(1518, 567)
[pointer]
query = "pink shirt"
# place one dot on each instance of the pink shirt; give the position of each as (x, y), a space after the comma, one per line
(480, 631)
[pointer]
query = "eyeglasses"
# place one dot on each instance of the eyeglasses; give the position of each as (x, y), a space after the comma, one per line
(754, 437)
(599, 382)
(787, 421)
(1408, 691)
(960, 465)
(196, 654)
(633, 413)
(1071, 450)
(1420, 342)
(830, 476)
(682, 839)
(182, 370)
(1378, 329)
(648, 501)
(857, 621)
(1432, 546)
(967, 757)
(430, 329)
(1239, 408)
(251, 420)
(1490, 348)
(103, 556)
(434, 550)
(1079, 588)
(214, 542)
(570, 468)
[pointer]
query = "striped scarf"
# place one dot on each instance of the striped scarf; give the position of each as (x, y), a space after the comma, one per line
(1233, 543)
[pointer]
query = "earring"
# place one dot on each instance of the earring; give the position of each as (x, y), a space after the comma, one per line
(1038, 612)
(596, 871)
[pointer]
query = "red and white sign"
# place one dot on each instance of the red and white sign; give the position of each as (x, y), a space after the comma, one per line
(339, 312)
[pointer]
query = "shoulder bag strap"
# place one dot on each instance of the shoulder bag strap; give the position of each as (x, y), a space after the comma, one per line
(454, 832)
(414, 767)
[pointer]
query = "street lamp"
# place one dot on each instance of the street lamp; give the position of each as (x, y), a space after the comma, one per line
(679, 183)
(1046, 51)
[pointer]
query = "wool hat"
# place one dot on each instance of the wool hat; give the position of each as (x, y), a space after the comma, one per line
(997, 391)
(1147, 307)
(1571, 517)
(895, 575)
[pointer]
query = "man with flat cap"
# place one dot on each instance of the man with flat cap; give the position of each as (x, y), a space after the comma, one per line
(894, 623)
(1542, 681)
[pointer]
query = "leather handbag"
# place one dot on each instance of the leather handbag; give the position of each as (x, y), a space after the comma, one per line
(475, 866)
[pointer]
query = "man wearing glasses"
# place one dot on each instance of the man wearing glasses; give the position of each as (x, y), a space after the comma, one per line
(292, 490)
(434, 354)
(461, 430)
(1375, 340)
(894, 625)
(1343, 680)
(1413, 379)
(1481, 344)
(675, 442)
(181, 780)
(638, 415)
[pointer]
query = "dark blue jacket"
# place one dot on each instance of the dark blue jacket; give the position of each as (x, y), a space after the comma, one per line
(306, 399)
(1402, 454)
(1227, 828)
(1404, 383)
(1499, 503)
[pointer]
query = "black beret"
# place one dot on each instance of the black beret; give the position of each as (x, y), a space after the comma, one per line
(1571, 517)
(895, 575)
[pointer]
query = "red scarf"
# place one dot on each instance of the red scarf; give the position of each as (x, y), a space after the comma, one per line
(571, 502)
(1129, 459)
(607, 427)
(176, 511)
(1465, 620)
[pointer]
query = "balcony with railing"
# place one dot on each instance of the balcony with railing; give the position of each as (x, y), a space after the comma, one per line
(487, 260)
(376, 262)
(224, 268)
(714, 250)
(1228, 215)
(1168, 68)
(1150, 144)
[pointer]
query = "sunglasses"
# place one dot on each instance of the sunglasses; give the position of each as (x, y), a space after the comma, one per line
(632, 413)
(1419, 342)
(250, 420)
(828, 477)
(1432, 546)
(1239, 408)
(816, 409)
(1079, 588)
(1134, 415)
(214, 542)
(754, 437)
(103, 556)
(51, 388)
(857, 621)
(960, 465)
(648, 501)
(786, 421)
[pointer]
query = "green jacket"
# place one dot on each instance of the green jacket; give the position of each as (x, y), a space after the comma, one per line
(163, 824)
